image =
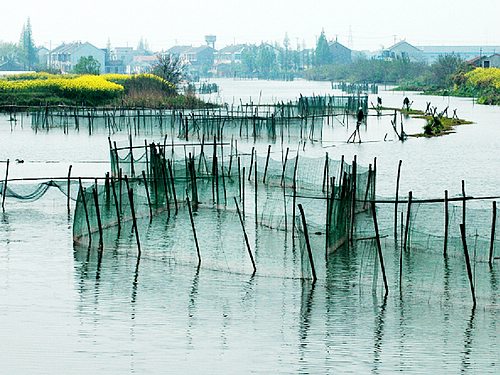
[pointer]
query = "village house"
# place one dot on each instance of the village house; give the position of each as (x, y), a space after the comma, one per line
(66, 56)
(230, 54)
(340, 53)
(432, 53)
(492, 61)
(404, 51)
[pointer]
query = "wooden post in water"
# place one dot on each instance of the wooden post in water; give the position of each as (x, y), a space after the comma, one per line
(98, 214)
(134, 220)
(308, 244)
(267, 163)
(69, 187)
(132, 170)
(117, 204)
(463, 205)
(325, 174)
(173, 185)
(256, 192)
(446, 223)
(467, 263)
(396, 203)
(245, 234)
(408, 213)
(251, 164)
(284, 167)
(243, 192)
(84, 203)
(147, 195)
(4, 193)
(379, 247)
(493, 225)
(194, 229)
(354, 188)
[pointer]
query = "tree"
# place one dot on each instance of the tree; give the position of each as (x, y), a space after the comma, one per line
(323, 55)
(87, 65)
(266, 59)
(443, 70)
(170, 67)
(28, 54)
(9, 52)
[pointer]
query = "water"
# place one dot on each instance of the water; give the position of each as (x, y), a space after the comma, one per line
(65, 310)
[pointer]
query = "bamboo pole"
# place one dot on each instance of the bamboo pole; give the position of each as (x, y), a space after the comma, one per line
(98, 215)
(493, 225)
(134, 220)
(147, 195)
(408, 212)
(4, 193)
(467, 263)
(396, 203)
(446, 223)
(173, 185)
(69, 188)
(84, 203)
(379, 248)
(308, 244)
(267, 163)
(194, 229)
(245, 235)
(117, 204)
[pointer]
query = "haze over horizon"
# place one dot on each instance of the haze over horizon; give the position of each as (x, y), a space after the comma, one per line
(361, 25)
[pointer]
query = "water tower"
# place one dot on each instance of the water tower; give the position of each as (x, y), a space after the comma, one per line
(210, 39)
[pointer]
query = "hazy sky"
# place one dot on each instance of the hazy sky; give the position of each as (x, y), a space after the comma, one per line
(372, 24)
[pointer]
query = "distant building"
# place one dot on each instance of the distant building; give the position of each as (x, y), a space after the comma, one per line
(404, 51)
(492, 61)
(230, 54)
(340, 53)
(66, 56)
(11, 66)
(142, 64)
(43, 56)
(432, 53)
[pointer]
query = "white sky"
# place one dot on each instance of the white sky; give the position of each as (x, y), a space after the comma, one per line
(165, 23)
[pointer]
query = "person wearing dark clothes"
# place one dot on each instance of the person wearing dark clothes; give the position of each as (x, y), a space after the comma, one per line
(361, 115)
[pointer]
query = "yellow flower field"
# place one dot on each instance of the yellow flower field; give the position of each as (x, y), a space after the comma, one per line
(80, 87)
(484, 77)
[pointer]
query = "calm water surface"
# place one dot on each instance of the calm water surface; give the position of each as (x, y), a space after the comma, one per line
(65, 310)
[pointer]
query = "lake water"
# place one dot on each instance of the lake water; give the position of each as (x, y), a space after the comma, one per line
(65, 310)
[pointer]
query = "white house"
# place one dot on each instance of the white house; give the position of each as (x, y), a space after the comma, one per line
(402, 50)
(66, 56)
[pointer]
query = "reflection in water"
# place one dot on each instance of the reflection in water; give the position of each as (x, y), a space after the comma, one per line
(466, 353)
(379, 312)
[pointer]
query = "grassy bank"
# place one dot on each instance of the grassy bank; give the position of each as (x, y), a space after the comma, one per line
(480, 83)
(91, 90)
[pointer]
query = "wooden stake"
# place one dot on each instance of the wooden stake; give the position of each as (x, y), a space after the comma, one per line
(4, 193)
(98, 214)
(134, 220)
(379, 248)
(467, 263)
(308, 244)
(410, 194)
(267, 163)
(194, 229)
(245, 234)
(117, 204)
(446, 223)
(493, 225)
(396, 203)
(147, 195)
(82, 194)
(69, 188)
